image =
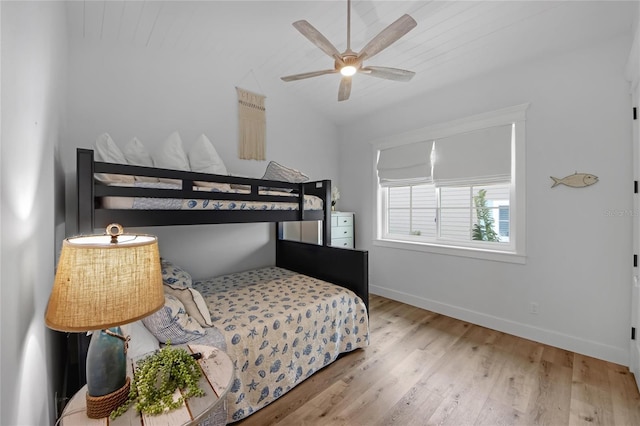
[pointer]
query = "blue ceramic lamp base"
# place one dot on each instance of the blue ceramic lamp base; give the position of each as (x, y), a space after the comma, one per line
(107, 381)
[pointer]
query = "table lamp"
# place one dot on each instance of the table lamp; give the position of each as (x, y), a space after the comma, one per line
(102, 282)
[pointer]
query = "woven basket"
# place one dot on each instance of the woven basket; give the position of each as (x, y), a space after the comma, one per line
(102, 406)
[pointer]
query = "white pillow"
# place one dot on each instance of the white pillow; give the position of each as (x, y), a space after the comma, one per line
(203, 158)
(107, 151)
(141, 341)
(172, 156)
(172, 323)
(193, 302)
(137, 155)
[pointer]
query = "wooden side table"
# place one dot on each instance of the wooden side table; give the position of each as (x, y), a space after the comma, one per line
(209, 410)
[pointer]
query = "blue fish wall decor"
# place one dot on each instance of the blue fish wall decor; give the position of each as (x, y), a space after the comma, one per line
(576, 180)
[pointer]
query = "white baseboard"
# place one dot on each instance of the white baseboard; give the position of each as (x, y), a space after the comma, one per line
(546, 336)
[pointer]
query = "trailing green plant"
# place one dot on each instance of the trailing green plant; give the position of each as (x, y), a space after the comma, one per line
(483, 230)
(156, 379)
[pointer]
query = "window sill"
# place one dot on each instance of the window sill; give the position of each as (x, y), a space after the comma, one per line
(475, 253)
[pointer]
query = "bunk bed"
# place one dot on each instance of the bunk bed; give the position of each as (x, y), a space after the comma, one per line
(192, 201)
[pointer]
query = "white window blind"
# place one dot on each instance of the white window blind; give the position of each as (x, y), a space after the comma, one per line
(405, 165)
(481, 156)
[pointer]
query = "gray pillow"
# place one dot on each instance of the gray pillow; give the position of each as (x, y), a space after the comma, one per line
(276, 171)
(172, 323)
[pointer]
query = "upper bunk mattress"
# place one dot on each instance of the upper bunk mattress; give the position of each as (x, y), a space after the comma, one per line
(311, 202)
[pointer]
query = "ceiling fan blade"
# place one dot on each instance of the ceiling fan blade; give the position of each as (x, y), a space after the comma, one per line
(395, 74)
(388, 36)
(308, 75)
(315, 37)
(345, 89)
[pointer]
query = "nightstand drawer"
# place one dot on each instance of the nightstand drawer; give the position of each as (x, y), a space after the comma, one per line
(343, 221)
(341, 232)
(342, 242)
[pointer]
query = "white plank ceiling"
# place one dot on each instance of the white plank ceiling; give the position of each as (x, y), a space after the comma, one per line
(454, 40)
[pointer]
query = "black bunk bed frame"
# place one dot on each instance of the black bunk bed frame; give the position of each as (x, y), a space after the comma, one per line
(91, 216)
(345, 267)
(349, 267)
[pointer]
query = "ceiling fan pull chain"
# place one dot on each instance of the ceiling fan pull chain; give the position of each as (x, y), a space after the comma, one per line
(348, 25)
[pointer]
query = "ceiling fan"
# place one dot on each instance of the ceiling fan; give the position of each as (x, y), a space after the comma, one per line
(349, 62)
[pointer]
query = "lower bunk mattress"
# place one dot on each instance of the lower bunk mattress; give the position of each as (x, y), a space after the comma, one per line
(279, 328)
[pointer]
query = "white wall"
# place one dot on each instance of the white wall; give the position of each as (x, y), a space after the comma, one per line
(578, 266)
(148, 93)
(33, 86)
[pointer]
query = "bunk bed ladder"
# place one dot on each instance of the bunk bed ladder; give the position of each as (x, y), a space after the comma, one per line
(326, 224)
(84, 181)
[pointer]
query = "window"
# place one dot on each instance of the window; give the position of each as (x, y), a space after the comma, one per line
(503, 220)
(457, 187)
(459, 213)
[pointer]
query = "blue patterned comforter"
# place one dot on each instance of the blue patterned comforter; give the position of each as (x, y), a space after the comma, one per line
(280, 327)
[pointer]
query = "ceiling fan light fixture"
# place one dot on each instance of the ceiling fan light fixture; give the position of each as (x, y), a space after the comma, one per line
(348, 70)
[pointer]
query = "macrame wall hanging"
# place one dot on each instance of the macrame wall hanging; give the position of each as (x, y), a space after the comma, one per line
(252, 125)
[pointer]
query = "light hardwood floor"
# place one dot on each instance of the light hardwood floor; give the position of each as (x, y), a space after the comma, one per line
(424, 368)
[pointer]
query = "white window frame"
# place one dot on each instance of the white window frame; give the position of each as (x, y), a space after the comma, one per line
(514, 250)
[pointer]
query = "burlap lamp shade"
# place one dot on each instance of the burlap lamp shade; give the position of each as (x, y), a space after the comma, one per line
(102, 282)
